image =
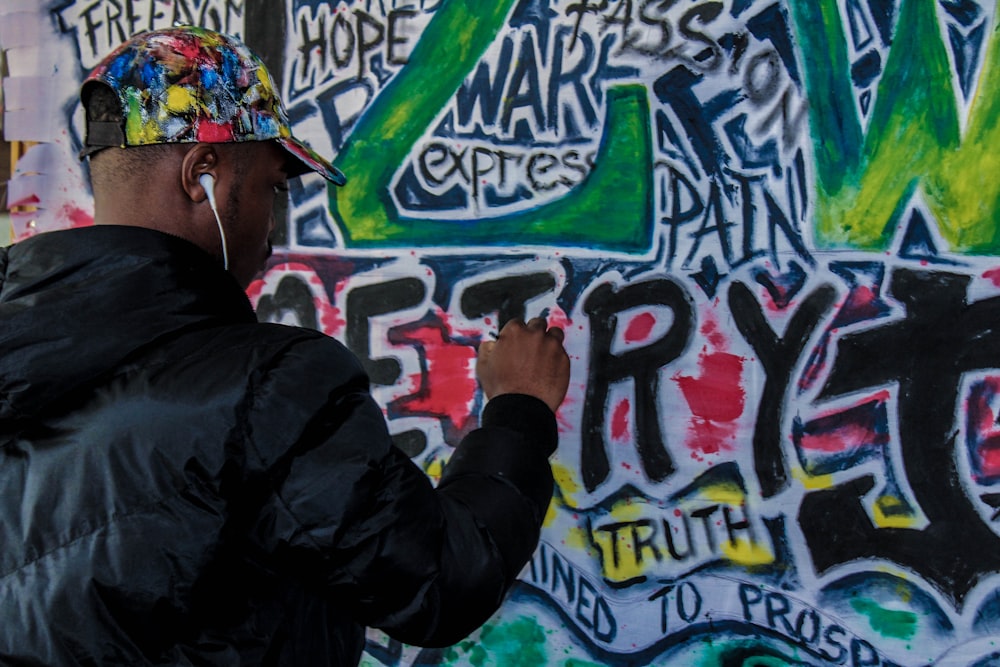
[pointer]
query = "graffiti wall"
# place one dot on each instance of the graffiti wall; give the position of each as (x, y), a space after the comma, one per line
(769, 229)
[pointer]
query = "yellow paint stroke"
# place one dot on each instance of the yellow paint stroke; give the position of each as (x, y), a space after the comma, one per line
(747, 553)
(180, 99)
(551, 514)
(630, 565)
(887, 513)
(434, 468)
(725, 493)
(566, 480)
(627, 510)
(813, 482)
(577, 538)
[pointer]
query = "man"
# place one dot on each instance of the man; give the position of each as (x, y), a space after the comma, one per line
(182, 485)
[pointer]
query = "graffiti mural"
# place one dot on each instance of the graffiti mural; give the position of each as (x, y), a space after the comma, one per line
(769, 229)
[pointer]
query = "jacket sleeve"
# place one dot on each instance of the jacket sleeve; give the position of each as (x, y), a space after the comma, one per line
(350, 514)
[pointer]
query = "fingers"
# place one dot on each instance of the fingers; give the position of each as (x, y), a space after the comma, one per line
(527, 358)
(486, 348)
(537, 324)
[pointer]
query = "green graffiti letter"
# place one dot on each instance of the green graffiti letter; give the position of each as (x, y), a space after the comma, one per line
(914, 141)
(610, 209)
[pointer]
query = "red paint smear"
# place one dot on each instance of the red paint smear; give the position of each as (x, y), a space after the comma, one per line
(639, 328)
(563, 422)
(254, 289)
(993, 275)
(772, 306)
(710, 330)
(76, 216)
(863, 296)
(619, 421)
(983, 421)
(847, 437)
(989, 457)
(30, 200)
(978, 408)
(190, 49)
(330, 321)
(880, 396)
(716, 399)
(861, 303)
(215, 133)
(449, 386)
(558, 318)
(716, 395)
(710, 437)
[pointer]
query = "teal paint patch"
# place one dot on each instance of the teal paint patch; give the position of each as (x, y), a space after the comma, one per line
(520, 643)
(892, 623)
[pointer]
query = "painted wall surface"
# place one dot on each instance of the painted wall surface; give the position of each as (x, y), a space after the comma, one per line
(769, 229)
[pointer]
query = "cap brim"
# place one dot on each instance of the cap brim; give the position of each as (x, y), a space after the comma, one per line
(312, 160)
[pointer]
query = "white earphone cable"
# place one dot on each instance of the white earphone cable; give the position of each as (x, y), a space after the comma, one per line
(208, 183)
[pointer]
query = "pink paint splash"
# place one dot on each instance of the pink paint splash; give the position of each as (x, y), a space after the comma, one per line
(993, 275)
(76, 216)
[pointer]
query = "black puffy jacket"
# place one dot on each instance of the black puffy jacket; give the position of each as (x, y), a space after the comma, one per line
(182, 485)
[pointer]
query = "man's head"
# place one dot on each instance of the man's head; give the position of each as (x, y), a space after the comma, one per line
(169, 107)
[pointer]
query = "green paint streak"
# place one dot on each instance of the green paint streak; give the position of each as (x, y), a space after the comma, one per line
(892, 623)
(610, 209)
(453, 41)
(965, 184)
(857, 197)
(748, 653)
(828, 88)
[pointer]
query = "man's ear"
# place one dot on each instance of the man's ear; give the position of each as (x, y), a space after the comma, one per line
(198, 160)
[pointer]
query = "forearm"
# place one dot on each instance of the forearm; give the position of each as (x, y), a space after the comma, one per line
(493, 497)
(511, 450)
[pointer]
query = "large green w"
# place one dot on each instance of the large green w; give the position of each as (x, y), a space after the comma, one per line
(865, 180)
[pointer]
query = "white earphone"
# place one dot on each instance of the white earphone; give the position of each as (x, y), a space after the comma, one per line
(207, 182)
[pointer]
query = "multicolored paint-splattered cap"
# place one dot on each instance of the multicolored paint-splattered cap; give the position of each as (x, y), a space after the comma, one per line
(186, 85)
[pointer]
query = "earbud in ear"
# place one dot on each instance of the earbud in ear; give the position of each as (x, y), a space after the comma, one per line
(208, 184)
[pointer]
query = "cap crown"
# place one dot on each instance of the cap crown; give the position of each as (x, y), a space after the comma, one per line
(188, 84)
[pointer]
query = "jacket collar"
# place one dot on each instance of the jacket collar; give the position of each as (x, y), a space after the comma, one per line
(77, 303)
